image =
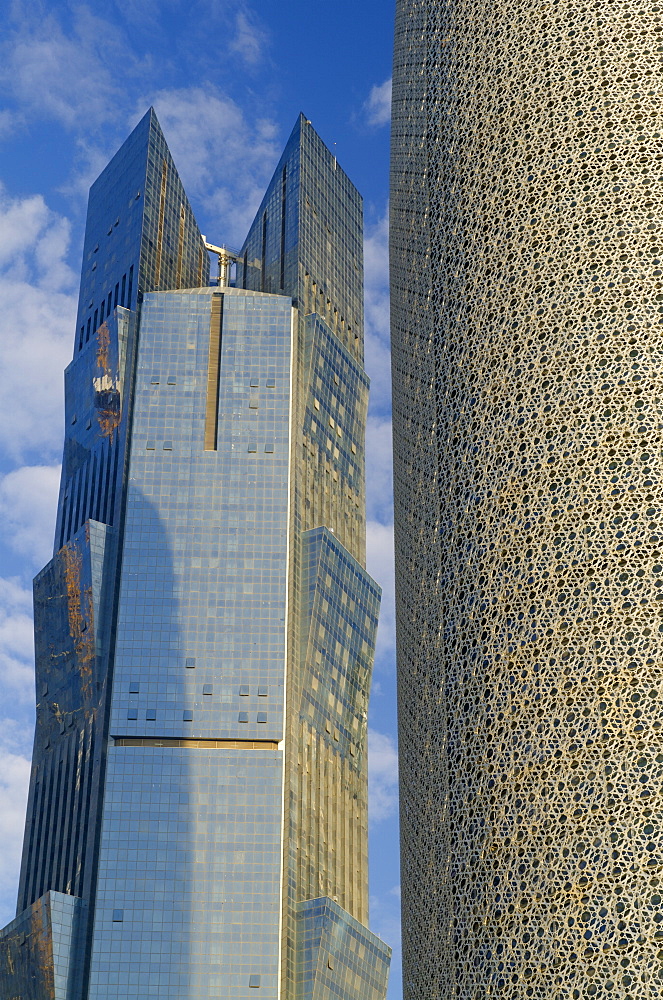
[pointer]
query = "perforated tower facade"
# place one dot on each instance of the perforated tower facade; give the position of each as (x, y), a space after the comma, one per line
(527, 350)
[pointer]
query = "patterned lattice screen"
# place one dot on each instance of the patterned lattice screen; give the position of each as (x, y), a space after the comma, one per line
(526, 284)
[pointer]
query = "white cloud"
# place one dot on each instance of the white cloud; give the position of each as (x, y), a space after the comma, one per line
(250, 38)
(376, 274)
(52, 74)
(9, 121)
(385, 921)
(14, 596)
(36, 325)
(224, 160)
(379, 457)
(380, 564)
(379, 499)
(28, 500)
(14, 776)
(16, 641)
(378, 105)
(382, 776)
(376, 301)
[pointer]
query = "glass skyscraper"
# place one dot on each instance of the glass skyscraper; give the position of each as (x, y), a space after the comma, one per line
(527, 357)
(197, 817)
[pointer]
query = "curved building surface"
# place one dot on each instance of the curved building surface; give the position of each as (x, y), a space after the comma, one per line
(526, 290)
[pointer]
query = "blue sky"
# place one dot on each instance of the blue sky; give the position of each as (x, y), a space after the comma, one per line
(227, 81)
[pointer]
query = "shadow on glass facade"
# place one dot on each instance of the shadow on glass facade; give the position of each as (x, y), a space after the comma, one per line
(197, 819)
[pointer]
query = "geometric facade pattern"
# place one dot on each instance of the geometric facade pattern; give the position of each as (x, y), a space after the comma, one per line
(527, 355)
(197, 818)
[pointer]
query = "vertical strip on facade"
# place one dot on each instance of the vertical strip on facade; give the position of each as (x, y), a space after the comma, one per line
(284, 178)
(162, 210)
(263, 253)
(80, 778)
(199, 279)
(286, 733)
(64, 848)
(213, 365)
(180, 247)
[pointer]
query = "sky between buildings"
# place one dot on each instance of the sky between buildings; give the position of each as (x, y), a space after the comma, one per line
(228, 80)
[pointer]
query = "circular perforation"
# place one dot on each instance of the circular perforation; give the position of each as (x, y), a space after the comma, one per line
(528, 360)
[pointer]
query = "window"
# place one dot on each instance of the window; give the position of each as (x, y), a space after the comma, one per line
(118, 916)
(150, 445)
(263, 690)
(187, 715)
(207, 688)
(168, 446)
(172, 380)
(134, 687)
(190, 662)
(151, 714)
(254, 982)
(243, 690)
(243, 717)
(132, 714)
(253, 447)
(261, 717)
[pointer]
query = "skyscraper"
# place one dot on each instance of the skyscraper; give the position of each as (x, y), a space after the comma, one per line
(197, 818)
(526, 270)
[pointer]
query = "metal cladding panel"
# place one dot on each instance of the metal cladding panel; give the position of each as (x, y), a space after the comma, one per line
(526, 269)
